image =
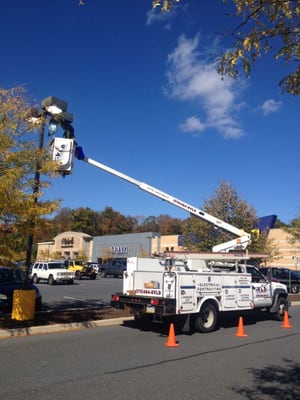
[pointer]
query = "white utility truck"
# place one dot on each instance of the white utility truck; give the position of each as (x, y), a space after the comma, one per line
(195, 286)
(198, 288)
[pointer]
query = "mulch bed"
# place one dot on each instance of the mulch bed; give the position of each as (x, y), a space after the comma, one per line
(62, 317)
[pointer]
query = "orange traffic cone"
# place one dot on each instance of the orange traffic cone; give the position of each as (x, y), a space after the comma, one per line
(241, 332)
(286, 322)
(171, 339)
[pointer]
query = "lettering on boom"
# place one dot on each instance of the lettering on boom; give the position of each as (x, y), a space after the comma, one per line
(184, 205)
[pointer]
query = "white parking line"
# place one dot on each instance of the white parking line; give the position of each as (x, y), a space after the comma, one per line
(73, 298)
(83, 300)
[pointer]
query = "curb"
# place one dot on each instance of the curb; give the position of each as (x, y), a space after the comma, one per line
(38, 330)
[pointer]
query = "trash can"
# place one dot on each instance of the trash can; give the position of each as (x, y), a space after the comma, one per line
(23, 308)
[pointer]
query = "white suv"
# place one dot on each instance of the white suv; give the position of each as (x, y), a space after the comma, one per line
(52, 272)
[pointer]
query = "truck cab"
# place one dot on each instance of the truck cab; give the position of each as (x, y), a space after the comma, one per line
(264, 290)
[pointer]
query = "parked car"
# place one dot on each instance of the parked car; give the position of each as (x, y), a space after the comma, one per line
(52, 272)
(114, 268)
(287, 276)
(15, 279)
(80, 268)
(95, 266)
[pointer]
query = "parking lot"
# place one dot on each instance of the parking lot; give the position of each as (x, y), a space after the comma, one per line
(83, 293)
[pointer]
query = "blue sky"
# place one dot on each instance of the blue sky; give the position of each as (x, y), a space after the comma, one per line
(147, 101)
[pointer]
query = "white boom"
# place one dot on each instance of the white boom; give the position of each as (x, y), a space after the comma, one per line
(64, 152)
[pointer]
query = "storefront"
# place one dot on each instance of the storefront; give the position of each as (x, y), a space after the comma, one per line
(123, 246)
(66, 245)
(101, 248)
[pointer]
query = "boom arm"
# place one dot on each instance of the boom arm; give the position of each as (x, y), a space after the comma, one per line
(64, 152)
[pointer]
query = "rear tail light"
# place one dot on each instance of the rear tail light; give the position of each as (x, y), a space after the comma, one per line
(154, 302)
(115, 297)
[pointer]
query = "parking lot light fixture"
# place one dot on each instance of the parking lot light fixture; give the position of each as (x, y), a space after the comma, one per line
(34, 115)
(54, 105)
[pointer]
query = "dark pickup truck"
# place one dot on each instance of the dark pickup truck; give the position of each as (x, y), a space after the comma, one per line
(287, 276)
(114, 268)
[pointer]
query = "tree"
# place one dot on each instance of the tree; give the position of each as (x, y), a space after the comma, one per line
(168, 225)
(19, 158)
(85, 220)
(165, 5)
(114, 223)
(227, 205)
(62, 221)
(262, 26)
(294, 229)
(149, 224)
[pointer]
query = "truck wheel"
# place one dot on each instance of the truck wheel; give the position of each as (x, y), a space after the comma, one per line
(294, 289)
(51, 280)
(35, 278)
(77, 275)
(206, 320)
(282, 307)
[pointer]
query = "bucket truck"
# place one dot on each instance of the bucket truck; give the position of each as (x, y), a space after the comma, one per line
(197, 287)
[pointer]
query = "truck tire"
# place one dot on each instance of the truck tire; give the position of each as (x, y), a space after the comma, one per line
(51, 280)
(207, 318)
(35, 278)
(294, 289)
(78, 275)
(282, 307)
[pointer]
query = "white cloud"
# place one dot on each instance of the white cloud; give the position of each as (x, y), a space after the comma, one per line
(192, 124)
(192, 78)
(270, 106)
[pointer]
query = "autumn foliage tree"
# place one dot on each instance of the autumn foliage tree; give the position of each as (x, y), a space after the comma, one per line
(227, 205)
(113, 222)
(19, 158)
(260, 27)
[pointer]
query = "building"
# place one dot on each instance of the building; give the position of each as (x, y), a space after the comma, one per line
(101, 248)
(123, 246)
(66, 245)
(289, 252)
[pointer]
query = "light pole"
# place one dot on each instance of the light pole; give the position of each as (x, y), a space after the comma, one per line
(52, 110)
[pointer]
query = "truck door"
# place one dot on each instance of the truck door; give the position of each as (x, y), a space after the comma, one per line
(186, 288)
(237, 291)
(261, 287)
(43, 273)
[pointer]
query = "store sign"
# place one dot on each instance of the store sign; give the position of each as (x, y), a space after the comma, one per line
(67, 242)
(119, 250)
